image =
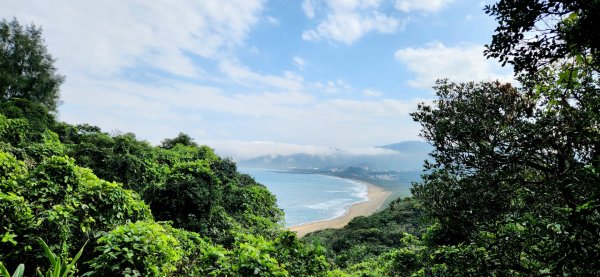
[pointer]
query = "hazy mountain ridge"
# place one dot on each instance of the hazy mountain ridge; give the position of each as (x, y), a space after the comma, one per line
(405, 156)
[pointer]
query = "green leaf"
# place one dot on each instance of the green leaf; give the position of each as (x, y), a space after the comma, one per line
(72, 264)
(9, 237)
(3, 270)
(19, 272)
(51, 256)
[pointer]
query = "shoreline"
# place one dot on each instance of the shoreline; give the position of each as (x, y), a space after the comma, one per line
(376, 198)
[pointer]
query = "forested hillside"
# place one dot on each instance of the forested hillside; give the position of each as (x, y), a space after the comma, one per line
(512, 186)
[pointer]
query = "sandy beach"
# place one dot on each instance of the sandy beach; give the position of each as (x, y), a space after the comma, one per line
(377, 197)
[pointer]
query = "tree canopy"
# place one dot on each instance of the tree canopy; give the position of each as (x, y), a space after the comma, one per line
(27, 70)
(532, 34)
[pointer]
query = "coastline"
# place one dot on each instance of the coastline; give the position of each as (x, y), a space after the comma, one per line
(376, 198)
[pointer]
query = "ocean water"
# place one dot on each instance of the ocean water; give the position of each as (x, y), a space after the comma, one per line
(309, 197)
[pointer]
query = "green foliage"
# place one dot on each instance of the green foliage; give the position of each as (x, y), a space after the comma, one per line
(252, 205)
(76, 202)
(199, 256)
(136, 249)
(49, 146)
(26, 69)
(369, 237)
(13, 131)
(252, 256)
(36, 115)
(60, 202)
(533, 34)
(299, 259)
(18, 272)
(516, 167)
(58, 267)
(183, 153)
(181, 139)
(12, 172)
(18, 223)
(121, 158)
(133, 163)
(189, 197)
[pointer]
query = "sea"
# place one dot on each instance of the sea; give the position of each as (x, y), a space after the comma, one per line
(309, 197)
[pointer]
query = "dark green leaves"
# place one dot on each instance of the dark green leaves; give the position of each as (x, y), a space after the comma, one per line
(532, 34)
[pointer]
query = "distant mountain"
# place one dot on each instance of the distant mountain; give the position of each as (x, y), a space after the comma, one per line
(405, 156)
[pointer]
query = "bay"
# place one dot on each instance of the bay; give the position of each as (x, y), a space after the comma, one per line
(309, 197)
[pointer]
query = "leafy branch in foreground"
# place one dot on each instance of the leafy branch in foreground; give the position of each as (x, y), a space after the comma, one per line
(58, 267)
(18, 272)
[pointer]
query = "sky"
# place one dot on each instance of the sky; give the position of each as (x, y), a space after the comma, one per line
(257, 77)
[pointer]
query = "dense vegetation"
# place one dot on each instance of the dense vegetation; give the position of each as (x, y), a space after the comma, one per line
(177, 208)
(365, 238)
(512, 187)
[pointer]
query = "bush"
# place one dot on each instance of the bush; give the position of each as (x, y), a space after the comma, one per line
(17, 222)
(253, 256)
(136, 249)
(188, 198)
(12, 172)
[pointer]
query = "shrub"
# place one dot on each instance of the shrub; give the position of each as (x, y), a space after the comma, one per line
(136, 249)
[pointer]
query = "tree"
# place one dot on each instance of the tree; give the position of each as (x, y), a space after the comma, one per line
(516, 173)
(26, 68)
(532, 34)
(189, 197)
(182, 138)
(513, 184)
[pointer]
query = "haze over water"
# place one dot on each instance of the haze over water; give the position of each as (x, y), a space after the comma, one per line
(309, 197)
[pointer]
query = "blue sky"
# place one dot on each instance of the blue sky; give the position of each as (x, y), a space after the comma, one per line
(254, 77)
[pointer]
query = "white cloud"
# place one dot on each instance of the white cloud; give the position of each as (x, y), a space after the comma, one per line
(348, 27)
(309, 6)
(352, 5)
(333, 87)
(105, 38)
(272, 20)
(244, 76)
(421, 5)
(372, 93)
(299, 62)
(244, 150)
(460, 63)
(349, 20)
(155, 112)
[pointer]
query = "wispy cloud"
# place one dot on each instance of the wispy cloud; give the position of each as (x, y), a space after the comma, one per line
(299, 62)
(372, 93)
(421, 5)
(110, 36)
(244, 150)
(348, 20)
(309, 8)
(245, 76)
